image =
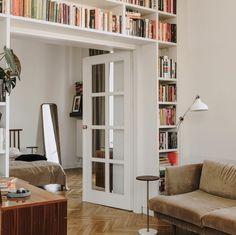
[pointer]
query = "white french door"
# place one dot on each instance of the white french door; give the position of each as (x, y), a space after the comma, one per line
(107, 145)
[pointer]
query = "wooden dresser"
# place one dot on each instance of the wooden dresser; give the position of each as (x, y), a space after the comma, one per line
(43, 213)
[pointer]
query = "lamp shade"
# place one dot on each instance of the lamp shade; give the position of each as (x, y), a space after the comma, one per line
(198, 105)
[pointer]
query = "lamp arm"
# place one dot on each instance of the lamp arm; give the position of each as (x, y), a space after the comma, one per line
(181, 118)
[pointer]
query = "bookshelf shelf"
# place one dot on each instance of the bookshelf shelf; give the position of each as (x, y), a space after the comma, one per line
(163, 44)
(109, 4)
(61, 32)
(167, 103)
(2, 151)
(143, 10)
(167, 79)
(166, 15)
(167, 150)
(167, 127)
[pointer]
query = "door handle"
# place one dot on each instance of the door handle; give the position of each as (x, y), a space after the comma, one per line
(85, 127)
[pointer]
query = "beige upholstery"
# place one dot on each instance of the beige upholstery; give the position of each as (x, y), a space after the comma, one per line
(223, 220)
(201, 198)
(183, 179)
(219, 179)
(190, 207)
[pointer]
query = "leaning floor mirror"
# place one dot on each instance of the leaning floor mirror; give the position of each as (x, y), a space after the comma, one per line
(51, 132)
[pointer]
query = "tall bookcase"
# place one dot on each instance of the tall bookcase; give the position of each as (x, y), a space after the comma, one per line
(167, 87)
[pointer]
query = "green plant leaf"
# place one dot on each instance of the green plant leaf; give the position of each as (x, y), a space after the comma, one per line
(12, 61)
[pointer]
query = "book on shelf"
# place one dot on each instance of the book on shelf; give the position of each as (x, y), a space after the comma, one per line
(138, 26)
(167, 67)
(143, 3)
(3, 6)
(167, 6)
(69, 14)
(167, 93)
(167, 32)
(168, 116)
(164, 160)
(168, 140)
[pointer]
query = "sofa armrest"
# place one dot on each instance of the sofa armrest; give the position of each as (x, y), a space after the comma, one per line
(182, 179)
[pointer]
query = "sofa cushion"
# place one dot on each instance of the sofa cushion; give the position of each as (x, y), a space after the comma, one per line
(190, 207)
(223, 220)
(219, 178)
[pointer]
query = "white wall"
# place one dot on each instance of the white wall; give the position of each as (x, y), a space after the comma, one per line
(48, 76)
(206, 63)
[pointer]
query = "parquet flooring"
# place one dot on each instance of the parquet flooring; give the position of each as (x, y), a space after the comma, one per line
(90, 219)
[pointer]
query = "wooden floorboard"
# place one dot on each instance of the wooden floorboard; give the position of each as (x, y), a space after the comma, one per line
(90, 219)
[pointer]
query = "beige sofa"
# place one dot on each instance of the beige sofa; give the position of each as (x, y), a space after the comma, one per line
(200, 198)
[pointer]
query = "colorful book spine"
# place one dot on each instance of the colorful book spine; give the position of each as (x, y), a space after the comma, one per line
(168, 140)
(167, 67)
(167, 32)
(138, 26)
(168, 116)
(167, 6)
(68, 13)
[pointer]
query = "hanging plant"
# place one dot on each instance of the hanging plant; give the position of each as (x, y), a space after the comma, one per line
(10, 74)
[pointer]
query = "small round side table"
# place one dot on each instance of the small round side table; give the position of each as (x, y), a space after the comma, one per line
(148, 230)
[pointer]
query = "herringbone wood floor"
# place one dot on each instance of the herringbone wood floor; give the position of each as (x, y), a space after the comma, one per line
(90, 219)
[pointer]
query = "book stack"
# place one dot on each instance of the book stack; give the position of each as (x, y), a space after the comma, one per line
(168, 140)
(3, 6)
(164, 160)
(143, 3)
(168, 116)
(167, 93)
(167, 6)
(137, 26)
(68, 13)
(167, 32)
(167, 67)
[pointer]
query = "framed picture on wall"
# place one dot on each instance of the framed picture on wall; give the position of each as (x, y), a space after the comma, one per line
(76, 104)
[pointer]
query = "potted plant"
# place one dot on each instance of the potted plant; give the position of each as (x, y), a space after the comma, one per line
(10, 72)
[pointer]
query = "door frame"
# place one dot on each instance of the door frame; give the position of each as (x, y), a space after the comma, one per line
(128, 127)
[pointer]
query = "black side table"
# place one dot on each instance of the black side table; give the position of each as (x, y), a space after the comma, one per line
(147, 178)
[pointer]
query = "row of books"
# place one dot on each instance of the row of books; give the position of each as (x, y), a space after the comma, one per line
(3, 6)
(167, 67)
(168, 116)
(167, 93)
(137, 26)
(169, 6)
(167, 32)
(168, 140)
(143, 3)
(68, 13)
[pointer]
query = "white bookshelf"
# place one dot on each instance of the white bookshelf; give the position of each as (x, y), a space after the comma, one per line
(36, 28)
(169, 49)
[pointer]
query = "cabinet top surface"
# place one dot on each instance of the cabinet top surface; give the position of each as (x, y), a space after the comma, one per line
(38, 197)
